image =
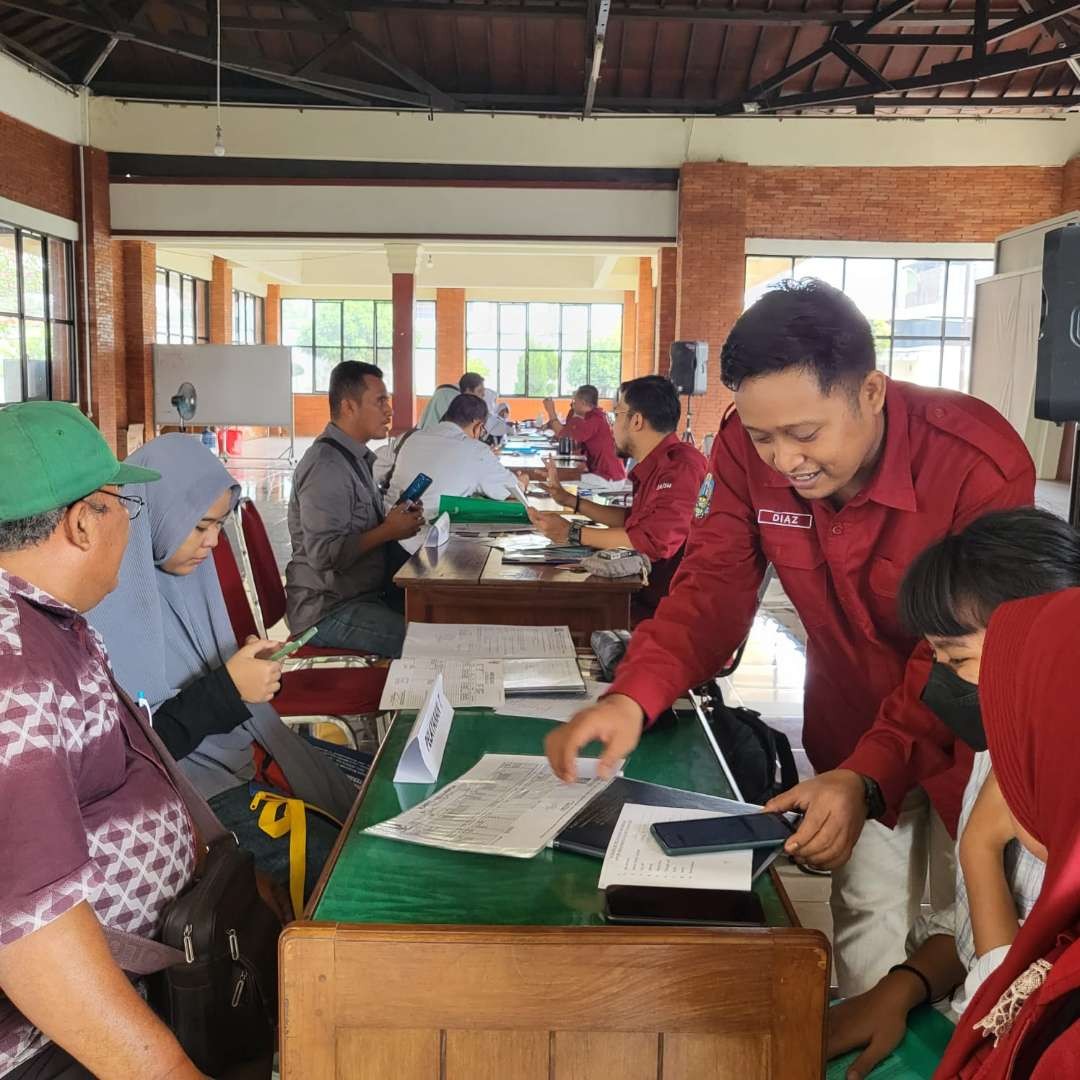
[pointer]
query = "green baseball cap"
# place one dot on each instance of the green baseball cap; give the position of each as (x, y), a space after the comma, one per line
(52, 456)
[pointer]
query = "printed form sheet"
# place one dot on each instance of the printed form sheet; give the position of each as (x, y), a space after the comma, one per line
(468, 684)
(468, 641)
(506, 804)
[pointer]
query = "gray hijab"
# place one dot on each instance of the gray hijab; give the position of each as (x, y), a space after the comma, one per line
(164, 631)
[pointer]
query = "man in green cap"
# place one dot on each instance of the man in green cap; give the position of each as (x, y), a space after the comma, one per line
(92, 832)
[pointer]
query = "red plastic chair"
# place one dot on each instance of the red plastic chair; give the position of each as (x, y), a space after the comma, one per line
(261, 567)
(312, 692)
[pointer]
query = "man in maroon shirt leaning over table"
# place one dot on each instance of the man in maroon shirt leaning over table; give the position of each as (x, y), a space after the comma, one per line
(92, 832)
(838, 476)
(588, 425)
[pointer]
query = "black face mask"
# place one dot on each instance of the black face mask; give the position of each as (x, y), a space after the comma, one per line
(956, 704)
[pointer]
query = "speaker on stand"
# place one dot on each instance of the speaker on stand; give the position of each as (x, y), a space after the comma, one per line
(1057, 371)
(689, 373)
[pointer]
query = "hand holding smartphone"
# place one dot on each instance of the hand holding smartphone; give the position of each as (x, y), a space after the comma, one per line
(421, 482)
(291, 646)
(735, 833)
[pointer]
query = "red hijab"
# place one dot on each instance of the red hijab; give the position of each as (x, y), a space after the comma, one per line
(1031, 713)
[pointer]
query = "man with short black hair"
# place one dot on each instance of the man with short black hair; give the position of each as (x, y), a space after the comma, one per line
(455, 458)
(472, 383)
(838, 476)
(338, 577)
(666, 479)
(588, 425)
(93, 834)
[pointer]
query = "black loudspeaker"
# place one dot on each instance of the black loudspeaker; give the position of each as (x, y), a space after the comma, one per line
(1057, 375)
(689, 363)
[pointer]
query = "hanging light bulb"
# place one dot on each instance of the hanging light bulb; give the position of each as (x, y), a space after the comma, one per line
(219, 142)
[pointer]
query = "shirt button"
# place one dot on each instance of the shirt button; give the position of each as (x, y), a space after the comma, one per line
(939, 412)
(837, 530)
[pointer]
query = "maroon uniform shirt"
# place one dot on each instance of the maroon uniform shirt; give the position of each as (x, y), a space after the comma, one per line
(594, 433)
(947, 459)
(666, 485)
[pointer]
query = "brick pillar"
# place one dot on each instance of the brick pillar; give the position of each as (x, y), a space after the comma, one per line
(103, 319)
(710, 270)
(1070, 186)
(449, 335)
(646, 318)
(404, 398)
(272, 328)
(665, 308)
(140, 328)
(221, 313)
(629, 335)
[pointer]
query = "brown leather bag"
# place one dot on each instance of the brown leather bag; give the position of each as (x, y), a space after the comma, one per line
(213, 973)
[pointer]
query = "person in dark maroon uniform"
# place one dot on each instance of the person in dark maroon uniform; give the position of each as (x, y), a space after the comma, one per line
(588, 425)
(666, 479)
(838, 476)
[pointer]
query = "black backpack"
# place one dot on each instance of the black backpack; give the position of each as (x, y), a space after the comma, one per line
(758, 756)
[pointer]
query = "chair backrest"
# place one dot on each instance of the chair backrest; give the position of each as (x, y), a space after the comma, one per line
(232, 588)
(264, 568)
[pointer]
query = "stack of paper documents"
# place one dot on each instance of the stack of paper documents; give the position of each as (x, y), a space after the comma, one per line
(468, 684)
(471, 641)
(505, 805)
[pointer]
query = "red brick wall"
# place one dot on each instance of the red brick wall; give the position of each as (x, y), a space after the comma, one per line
(139, 260)
(37, 169)
(403, 289)
(901, 205)
(221, 299)
(646, 319)
(311, 413)
(629, 335)
(1070, 186)
(272, 317)
(449, 337)
(666, 302)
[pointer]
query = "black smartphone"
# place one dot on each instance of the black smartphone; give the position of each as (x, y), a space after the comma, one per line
(682, 907)
(412, 493)
(735, 833)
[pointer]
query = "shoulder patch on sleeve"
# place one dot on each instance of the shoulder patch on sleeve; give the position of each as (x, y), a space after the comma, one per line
(704, 498)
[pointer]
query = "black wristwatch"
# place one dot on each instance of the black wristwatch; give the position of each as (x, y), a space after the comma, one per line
(574, 539)
(875, 801)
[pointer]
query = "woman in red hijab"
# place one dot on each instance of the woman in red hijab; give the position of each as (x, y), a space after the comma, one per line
(1022, 1023)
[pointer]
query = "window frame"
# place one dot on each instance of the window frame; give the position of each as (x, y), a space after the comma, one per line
(248, 318)
(47, 319)
(386, 347)
(559, 348)
(942, 339)
(198, 286)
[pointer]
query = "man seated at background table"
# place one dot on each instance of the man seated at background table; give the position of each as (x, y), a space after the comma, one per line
(666, 481)
(338, 576)
(588, 425)
(452, 454)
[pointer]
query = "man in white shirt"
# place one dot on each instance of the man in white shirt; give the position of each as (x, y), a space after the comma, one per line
(452, 454)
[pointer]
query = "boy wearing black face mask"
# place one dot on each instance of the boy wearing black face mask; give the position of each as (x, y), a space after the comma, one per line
(948, 596)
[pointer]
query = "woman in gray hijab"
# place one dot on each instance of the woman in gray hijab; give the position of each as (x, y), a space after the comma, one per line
(170, 641)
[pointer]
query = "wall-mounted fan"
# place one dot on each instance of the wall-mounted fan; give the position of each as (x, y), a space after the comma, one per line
(184, 402)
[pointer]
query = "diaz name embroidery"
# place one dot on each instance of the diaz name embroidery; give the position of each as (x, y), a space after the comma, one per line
(786, 520)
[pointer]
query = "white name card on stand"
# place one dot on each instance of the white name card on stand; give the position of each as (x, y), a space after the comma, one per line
(439, 533)
(422, 757)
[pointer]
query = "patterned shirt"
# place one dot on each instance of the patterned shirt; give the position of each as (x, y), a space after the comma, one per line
(87, 813)
(1025, 876)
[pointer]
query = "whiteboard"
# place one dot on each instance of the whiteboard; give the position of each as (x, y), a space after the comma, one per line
(235, 384)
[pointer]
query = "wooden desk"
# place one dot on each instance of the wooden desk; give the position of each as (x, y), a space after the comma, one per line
(467, 582)
(414, 963)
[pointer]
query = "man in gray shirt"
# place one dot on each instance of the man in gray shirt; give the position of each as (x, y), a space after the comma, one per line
(337, 578)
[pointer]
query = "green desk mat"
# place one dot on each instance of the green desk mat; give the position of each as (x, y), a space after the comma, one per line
(915, 1058)
(377, 880)
(469, 510)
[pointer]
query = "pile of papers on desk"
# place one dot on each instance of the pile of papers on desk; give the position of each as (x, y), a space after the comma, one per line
(506, 804)
(481, 664)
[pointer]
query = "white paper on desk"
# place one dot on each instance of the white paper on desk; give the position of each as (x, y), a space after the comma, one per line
(488, 642)
(635, 858)
(558, 707)
(422, 757)
(507, 804)
(439, 533)
(467, 684)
